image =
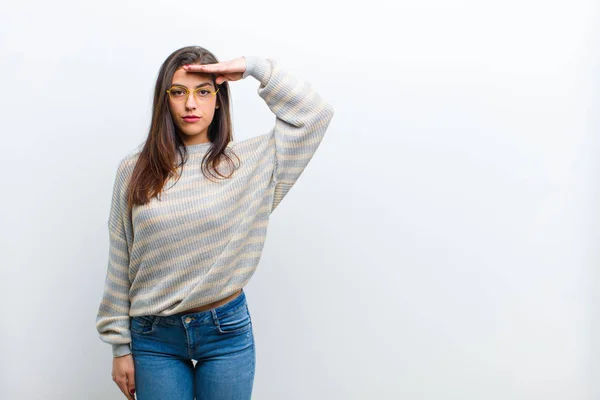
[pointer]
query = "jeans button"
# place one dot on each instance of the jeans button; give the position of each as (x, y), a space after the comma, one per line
(187, 320)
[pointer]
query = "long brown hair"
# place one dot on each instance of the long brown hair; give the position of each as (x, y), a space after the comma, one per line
(157, 160)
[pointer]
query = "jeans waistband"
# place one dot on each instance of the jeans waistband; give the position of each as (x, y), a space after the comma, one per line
(200, 316)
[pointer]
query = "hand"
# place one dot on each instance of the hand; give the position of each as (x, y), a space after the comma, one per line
(123, 374)
(226, 71)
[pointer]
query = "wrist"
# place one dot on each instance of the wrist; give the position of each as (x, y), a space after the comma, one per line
(258, 67)
(120, 350)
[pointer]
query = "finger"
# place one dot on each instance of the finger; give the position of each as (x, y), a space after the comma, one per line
(131, 383)
(208, 68)
(123, 387)
(218, 68)
(193, 67)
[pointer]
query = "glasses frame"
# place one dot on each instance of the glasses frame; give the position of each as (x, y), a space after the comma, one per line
(187, 92)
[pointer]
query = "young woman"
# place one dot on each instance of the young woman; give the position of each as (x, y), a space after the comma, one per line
(187, 225)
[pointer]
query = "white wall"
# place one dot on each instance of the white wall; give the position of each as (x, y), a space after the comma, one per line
(440, 244)
(591, 212)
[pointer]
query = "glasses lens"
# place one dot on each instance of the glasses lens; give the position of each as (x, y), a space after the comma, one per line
(203, 93)
(177, 92)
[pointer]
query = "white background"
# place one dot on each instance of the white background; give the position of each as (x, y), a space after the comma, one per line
(441, 244)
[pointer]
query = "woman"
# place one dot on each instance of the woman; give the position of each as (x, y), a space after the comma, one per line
(187, 225)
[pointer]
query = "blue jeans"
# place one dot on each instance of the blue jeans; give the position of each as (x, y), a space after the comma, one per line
(221, 340)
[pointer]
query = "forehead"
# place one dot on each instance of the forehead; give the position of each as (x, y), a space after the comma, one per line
(190, 79)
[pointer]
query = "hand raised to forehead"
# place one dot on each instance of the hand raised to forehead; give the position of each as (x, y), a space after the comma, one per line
(231, 70)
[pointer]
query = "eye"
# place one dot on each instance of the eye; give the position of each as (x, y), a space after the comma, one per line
(204, 92)
(177, 92)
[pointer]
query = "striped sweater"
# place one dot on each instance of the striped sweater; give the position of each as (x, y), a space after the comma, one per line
(202, 240)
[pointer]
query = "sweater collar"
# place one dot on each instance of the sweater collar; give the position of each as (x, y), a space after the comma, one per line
(197, 148)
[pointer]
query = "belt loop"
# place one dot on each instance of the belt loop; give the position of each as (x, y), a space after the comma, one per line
(213, 313)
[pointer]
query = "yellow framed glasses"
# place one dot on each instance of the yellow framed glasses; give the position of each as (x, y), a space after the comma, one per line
(181, 93)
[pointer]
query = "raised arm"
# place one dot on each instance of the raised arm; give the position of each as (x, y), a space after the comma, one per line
(301, 119)
(112, 321)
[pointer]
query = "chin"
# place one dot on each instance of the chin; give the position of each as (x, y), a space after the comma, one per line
(190, 133)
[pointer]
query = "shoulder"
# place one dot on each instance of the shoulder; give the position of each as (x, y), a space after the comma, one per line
(130, 158)
(254, 145)
(127, 164)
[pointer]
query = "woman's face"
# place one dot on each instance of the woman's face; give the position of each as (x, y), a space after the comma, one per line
(193, 131)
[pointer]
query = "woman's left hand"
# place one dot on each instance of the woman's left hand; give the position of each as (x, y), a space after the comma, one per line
(225, 71)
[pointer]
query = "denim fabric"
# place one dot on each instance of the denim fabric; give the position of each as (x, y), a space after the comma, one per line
(221, 340)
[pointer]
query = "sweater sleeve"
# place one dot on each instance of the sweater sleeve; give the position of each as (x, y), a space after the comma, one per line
(112, 320)
(301, 119)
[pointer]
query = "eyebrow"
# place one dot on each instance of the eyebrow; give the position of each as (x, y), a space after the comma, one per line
(200, 85)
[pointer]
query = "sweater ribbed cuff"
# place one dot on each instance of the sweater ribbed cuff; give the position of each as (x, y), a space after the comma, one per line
(258, 67)
(119, 350)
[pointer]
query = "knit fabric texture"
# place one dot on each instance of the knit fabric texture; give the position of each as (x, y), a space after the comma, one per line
(202, 239)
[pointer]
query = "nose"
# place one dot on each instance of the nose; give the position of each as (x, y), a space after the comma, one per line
(190, 103)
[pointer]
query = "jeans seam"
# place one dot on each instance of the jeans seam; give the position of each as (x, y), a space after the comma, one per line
(189, 343)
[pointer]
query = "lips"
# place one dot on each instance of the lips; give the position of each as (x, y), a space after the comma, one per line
(191, 119)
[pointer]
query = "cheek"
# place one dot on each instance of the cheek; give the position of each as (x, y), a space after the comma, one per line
(174, 108)
(175, 112)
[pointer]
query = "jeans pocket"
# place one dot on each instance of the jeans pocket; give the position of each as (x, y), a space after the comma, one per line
(144, 324)
(236, 321)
